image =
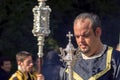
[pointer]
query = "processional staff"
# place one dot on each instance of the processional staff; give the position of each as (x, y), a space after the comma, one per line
(41, 29)
(68, 56)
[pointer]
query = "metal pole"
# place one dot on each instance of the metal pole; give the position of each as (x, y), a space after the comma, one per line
(41, 29)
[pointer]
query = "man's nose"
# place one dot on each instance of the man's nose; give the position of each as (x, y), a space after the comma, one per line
(31, 63)
(81, 39)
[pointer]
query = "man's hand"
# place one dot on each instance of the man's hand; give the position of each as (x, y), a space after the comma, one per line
(40, 77)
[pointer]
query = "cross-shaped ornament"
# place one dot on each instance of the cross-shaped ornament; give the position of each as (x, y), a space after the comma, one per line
(69, 35)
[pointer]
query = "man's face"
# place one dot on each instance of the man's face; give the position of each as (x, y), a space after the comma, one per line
(7, 66)
(85, 37)
(27, 64)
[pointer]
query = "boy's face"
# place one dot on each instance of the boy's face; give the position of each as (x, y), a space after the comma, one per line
(27, 64)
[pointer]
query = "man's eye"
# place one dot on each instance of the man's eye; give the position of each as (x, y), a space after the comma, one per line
(76, 36)
(86, 35)
(29, 62)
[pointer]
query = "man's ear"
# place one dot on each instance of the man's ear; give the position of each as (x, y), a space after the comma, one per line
(98, 31)
(19, 62)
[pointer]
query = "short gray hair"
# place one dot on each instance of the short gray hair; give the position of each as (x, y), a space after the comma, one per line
(96, 22)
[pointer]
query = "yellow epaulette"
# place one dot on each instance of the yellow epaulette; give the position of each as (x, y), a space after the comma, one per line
(16, 76)
(20, 76)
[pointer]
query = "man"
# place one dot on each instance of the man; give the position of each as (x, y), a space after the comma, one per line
(96, 61)
(25, 66)
(5, 68)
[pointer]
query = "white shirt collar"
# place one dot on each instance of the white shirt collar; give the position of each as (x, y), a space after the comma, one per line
(95, 56)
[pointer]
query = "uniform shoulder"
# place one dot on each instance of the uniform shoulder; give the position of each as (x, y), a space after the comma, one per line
(15, 76)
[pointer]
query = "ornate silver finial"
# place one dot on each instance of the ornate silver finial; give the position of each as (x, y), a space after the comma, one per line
(68, 56)
(69, 48)
(41, 29)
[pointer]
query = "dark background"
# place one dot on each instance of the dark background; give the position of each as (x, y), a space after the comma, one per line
(16, 23)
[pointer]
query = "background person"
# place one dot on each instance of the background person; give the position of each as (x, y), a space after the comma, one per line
(5, 68)
(25, 67)
(51, 66)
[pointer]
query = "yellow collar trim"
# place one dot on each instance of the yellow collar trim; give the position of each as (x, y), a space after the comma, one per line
(108, 65)
(22, 76)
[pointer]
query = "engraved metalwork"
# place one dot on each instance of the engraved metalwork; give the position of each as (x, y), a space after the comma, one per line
(68, 56)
